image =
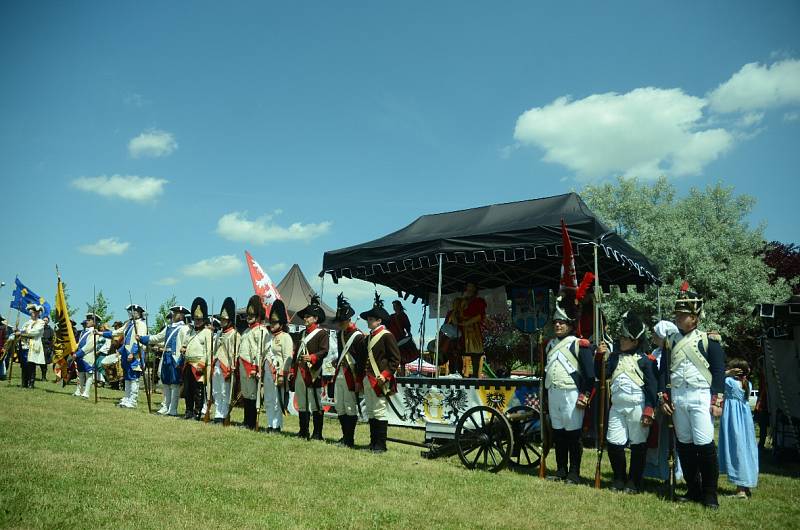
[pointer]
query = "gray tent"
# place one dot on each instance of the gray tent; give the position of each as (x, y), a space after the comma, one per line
(296, 294)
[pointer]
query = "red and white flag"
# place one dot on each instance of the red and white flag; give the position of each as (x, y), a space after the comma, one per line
(569, 278)
(262, 283)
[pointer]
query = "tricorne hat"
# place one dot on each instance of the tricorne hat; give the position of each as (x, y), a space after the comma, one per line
(377, 310)
(33, 306)
(313, 309)
(344, 311)
(564, 311)
(179, 309)
(632, 326)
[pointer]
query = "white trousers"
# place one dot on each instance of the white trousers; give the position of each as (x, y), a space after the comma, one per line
(692, 416)
(624, 423)
(220, 391)
(306, 403)
(345, 399)
(563, 412)
(127, 397)
(172, 394)
(85, 382)
(375, 405)
(271, 396)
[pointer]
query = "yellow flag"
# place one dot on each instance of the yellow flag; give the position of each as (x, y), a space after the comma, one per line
(64, 343)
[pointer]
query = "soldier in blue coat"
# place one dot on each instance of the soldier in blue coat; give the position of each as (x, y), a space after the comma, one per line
(129, 353)
(89, 344)
(172, 337)
(696, 380)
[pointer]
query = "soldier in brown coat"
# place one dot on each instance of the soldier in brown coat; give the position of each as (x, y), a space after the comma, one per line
(306, 369)
(383, 356)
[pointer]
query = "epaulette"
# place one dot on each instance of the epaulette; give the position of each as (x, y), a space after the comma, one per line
(584, 343)
(651, 357)
(716, 337)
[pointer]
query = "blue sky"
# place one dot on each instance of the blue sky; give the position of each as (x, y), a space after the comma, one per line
(145, 145)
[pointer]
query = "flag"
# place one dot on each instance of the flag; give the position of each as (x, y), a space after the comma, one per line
(569, 278)
(262, 283)
(24, 296)
(64, 343)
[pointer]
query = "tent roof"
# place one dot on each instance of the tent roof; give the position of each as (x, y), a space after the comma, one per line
(515, 244)
(296, 294)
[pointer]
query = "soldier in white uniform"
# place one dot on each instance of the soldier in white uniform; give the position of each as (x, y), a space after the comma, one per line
(277, 363)
(196, 354)
(349, 370)
(129, 352)
(31, 350)
(172, 338)
(692, 390)
(225, 349)
(634, 389)
(255, 340)
(89, 344)
(569, 377)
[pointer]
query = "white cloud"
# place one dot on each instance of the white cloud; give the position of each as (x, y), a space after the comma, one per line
(757, 87)
(791, 116)
(152, 143)
(135, 100)
(358, 290)
(646, 133)
(105, 247)
(214, 267)
(169, 280)
(130, 187)
(236, 227)
(278, 267)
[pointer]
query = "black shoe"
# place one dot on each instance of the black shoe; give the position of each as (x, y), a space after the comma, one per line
(631, 488)
(617, 485)
(188, 415)
(559, 475)
(572, 478)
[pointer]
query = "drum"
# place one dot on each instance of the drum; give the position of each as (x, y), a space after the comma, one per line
(112, 367)
(408, 349)
(450, 331)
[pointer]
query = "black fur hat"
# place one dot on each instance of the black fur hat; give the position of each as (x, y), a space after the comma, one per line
(277, 313)
(199, 309)
(228, 310)
(255, 308)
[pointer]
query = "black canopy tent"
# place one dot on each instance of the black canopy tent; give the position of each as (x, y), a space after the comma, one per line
(515, 244)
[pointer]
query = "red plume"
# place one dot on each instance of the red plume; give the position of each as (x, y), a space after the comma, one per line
(684, 286)
(586, 282)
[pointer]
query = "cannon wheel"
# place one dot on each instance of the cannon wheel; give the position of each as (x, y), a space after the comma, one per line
(527, 438)
(484, 439)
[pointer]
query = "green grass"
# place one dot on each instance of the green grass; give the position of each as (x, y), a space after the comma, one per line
(68, 463)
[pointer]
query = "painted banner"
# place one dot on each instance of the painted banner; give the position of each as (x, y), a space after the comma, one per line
(262, 283)
(444, 400)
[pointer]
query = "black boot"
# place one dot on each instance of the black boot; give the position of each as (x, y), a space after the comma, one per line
(343, 426)
(372, 433)
(687, 453)
(318, 419)
(638, 456)
(562, 452)
(616, 457)
(348, 430)
(575, 454)
(249, 406)
(304, 418)
(709, 473)
(381, 428)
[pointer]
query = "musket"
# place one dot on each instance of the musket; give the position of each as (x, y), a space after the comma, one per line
(666, 364)
(598, 338)
(94, 341)
(543, 412)
(209, 376)
(259, 379)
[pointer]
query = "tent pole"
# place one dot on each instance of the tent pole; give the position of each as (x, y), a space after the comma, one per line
(438, 315)
(422, 338)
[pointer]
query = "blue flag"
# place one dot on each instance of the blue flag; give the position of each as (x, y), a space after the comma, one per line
(24, 296)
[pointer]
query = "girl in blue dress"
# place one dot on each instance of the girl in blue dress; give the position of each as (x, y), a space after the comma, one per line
(738, 452)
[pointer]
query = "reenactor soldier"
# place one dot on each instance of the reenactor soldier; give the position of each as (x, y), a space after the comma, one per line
(172, 338)
(225, 349)
(349, 370)
(306, 369)
(696, 379)
(634, 391)
(383, 357)
(129, 352)
(88, 345)
(251, 352)
(569, 377)
(196, 353)
(277, 363)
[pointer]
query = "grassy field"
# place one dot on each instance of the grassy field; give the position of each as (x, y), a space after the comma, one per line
(68, 463)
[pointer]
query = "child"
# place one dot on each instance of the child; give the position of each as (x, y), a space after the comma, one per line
(738, 453)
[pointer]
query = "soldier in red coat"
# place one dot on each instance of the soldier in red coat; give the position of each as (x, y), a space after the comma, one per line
(383, 356)
(349, 368)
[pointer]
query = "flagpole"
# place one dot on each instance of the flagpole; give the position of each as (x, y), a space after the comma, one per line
(94, 340)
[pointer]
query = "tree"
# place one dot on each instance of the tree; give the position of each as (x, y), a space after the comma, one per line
(72, 310)
(162, 317)
(702, 238)
(785, 260)
(100, 308)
